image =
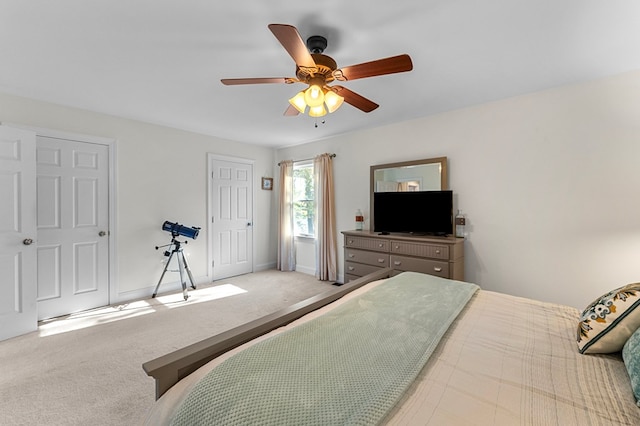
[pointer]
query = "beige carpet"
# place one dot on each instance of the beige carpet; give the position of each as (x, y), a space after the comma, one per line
(86, 369)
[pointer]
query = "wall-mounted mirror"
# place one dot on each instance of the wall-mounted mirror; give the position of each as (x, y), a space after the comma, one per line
(429, 174)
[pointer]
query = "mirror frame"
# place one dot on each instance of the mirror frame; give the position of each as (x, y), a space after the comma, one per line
(444, 182)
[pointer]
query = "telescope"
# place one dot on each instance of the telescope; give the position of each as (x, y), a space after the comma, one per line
(176, 229)
(175, 247)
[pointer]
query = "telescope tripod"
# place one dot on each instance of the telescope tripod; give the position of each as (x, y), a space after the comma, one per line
(176, 248)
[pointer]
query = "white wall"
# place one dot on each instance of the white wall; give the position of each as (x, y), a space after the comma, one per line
(548, 181)
(305, 255)
(161, 175)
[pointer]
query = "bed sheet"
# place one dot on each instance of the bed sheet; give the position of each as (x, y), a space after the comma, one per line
(514, 361)
(504, 361)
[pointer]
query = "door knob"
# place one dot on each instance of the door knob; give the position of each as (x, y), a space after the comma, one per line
(102, 233)
(27, 241)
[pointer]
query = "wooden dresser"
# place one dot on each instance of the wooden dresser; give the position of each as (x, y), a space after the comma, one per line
(366, 251)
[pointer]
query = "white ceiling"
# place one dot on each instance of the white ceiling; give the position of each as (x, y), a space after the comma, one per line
(161, 61)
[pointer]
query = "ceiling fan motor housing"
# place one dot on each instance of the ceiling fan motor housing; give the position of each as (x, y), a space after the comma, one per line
(325, 65)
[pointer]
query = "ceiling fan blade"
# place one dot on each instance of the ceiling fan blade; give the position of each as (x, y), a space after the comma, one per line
(354, 99)
(290, 39)
(291, 111)
(235, 81)
(392, 65)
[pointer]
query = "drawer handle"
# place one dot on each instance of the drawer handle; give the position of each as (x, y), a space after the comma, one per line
(351, 268)
(351, 255)
(397, 263)
(437, 251)
(350, 241)
(380, 245)
(397, 247)
(437, 269)
(380, 260)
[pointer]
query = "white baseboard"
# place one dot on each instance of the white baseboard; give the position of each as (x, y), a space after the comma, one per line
(264, 267)
(305, 270)
(147, 292)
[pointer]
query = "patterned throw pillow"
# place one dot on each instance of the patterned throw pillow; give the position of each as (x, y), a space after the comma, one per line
(631, 357)
(609, 321)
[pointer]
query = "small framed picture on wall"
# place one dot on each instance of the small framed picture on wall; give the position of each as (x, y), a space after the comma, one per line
(267, 183)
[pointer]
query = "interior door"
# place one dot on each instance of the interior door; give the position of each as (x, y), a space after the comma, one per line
(232, 217)
(18, 308)
(73, 226)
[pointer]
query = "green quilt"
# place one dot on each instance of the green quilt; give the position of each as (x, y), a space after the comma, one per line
(346, 367)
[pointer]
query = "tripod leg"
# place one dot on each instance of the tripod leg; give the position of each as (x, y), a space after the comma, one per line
(186, 266)
(162, 276)
(182, 280)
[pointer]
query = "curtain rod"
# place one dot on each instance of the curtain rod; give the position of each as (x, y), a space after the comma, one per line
(307, 159)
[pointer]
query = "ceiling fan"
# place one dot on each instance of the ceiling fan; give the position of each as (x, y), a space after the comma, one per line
(317, 70)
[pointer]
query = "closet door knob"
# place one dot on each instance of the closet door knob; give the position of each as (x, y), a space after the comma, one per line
(27, 241)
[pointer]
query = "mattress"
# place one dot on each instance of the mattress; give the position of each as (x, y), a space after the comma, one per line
(504, 361)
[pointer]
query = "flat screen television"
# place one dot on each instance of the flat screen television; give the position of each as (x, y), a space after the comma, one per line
(419, 212)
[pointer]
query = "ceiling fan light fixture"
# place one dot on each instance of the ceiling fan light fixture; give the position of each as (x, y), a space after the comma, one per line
(298, 102)
(332, 100)
(317, 111)
(314, 96)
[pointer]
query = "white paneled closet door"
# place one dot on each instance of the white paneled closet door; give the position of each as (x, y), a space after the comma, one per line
(231, 199)
(73, 226)
(18, 309)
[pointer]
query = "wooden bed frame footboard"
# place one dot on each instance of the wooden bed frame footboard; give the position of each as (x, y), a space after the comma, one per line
(168, 369)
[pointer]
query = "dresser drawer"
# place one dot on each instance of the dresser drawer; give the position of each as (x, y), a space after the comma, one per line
(367, 243)
(359, 269)
(368, 257)
(368, 251)
(420, 249)
(431, 267)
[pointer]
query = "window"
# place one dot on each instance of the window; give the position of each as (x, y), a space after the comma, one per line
(304, 203)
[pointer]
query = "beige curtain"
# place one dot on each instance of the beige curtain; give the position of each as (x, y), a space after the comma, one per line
(326, 241)
(286, 246)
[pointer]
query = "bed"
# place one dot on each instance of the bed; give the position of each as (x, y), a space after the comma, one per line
(488, 358)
